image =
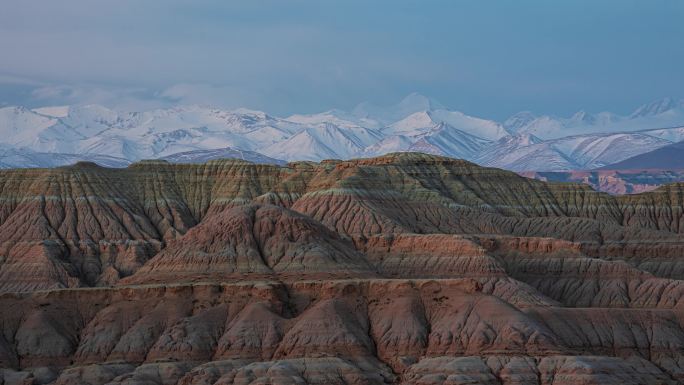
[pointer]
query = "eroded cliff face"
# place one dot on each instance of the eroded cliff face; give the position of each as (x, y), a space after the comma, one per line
(403, 269)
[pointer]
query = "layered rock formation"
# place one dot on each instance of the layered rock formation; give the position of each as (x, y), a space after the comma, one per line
(615, 179)
(403, 269)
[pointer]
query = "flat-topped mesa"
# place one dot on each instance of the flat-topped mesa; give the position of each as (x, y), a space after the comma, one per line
(144, 163)
(414, 158)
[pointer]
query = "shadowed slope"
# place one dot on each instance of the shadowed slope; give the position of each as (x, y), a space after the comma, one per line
(254, 240)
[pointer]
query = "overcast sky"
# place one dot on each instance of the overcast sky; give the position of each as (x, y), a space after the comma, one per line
(488, 58)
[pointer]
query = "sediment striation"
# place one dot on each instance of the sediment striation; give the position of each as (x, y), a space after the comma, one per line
(402, 269)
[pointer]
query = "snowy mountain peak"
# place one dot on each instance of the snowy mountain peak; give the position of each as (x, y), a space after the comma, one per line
(444, 139)
(520, 120)
(583, 117)
(14, 110)
(440, 126)
(521, 139)
(193, 133)
(410, 104)
(53, 111)
(340, 118)
(656, 107)
(417, 102)
(414, 124)
(246, 111)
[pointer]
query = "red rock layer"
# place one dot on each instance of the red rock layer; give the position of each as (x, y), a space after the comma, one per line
(403, 269)
(382, 330)
(255, 240)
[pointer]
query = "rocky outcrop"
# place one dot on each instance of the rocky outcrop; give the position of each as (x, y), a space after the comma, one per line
(553, 370)
(382, 330)
(431, 256)
(89, 226)
(254, 240)
(403, 269)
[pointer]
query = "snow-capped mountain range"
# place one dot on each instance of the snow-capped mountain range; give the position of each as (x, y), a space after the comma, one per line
(52, 136)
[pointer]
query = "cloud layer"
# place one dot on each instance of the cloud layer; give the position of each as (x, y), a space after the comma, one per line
(488, 58)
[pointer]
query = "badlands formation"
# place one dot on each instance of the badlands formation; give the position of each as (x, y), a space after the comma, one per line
(401, 269)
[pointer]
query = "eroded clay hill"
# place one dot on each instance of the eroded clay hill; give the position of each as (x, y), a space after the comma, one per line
(403, 269)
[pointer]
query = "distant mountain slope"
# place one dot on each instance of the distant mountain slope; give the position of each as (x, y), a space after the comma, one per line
(524, 142)
(324, 142)
(202, 156)
(666, 112)
(614, 181)
(668, 157)
(421, 122)
(526, 152)
(444, 139)
(13, 158)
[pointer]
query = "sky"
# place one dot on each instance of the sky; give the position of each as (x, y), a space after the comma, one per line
(486, 58)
